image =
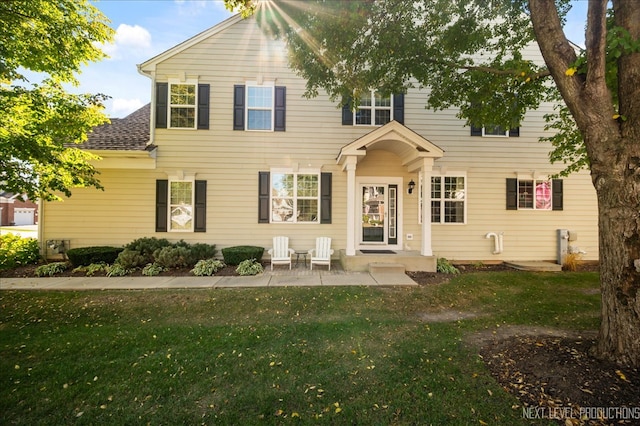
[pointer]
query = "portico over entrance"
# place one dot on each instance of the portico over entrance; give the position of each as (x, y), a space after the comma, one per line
(375, 203)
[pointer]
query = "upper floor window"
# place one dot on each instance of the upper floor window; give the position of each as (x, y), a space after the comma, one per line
(374, 110)
(182, 105)
(495, 131)
(259, 107)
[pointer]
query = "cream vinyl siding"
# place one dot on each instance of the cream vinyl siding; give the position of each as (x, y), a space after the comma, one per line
(230, 162)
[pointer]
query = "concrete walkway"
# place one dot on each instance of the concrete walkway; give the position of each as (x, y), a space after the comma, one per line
(277, 278)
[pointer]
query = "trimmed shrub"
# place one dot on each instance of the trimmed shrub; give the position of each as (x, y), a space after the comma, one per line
(131, 259)
(17, 251)
(201, 251)
(147, 246)
(85, 256)
(172, 257)
(249, 267)
(207, 267)
(235, 255)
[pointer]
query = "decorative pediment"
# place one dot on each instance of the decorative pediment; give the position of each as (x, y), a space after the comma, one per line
(393, 137)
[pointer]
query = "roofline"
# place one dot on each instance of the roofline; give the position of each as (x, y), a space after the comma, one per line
(148, 67)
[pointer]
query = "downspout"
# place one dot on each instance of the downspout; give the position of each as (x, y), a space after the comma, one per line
(41, 215)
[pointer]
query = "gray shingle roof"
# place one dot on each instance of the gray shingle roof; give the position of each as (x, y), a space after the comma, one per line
(130, 133)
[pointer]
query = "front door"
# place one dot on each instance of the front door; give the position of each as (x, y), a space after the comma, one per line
(379, 210)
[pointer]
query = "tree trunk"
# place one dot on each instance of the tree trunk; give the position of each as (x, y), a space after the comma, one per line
(619, 231)
(613, 147)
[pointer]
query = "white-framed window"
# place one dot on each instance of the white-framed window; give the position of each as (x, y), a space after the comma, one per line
(374, 110)
(448, 198)
(259, 104)
(295, 197)
(535, 194)
(182, 104)
(495, 131)
(181, 205)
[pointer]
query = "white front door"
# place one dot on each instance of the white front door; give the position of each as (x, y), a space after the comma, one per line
(378, 214)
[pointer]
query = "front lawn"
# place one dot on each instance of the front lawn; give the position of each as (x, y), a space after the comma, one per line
(338, 355)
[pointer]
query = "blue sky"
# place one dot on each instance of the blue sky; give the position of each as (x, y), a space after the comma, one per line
(145, 28)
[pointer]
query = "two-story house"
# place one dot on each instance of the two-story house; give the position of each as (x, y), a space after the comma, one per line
(230, 153)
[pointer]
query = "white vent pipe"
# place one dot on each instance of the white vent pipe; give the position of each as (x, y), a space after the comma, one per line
(497, 241)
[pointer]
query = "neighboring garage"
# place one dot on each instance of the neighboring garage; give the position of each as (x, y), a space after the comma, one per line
(24, 216)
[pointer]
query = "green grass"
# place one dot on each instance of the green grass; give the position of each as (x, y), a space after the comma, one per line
(340, 355)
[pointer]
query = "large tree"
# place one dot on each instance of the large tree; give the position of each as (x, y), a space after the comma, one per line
(40, 122)
(469, 54)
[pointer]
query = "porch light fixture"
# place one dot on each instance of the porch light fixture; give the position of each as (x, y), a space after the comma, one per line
(412, 185)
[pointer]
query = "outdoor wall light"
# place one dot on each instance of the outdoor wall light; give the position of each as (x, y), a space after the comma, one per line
(412, 185)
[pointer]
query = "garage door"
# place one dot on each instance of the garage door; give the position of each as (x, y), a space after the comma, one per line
(24, 216)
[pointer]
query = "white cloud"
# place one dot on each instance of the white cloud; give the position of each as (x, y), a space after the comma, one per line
(122, 107)
(128, 38)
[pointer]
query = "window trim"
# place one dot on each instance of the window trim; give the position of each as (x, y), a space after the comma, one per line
(373, 109)
(494, 135)
(170, 106)
(193, 205)
(248, 85)
(442, 200)
(535, 182)
(295, 197)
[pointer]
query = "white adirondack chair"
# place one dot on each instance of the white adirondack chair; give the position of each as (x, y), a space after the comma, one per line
(281, 253)
(321, 255)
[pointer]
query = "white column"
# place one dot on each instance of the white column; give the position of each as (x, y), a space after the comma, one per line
(350, 167)
(426, 169)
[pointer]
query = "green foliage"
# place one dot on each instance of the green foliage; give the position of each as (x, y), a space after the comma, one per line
(200, 251)
(117, 270)
(38, 123)
(152, 269)
(249, 267)
(18, 251)
(131, 259)
(51, 269)
(445, 267)
(235, 255)
(172, 257)
(85, 256)
(207, 267)
(92, 269)
(147, 246)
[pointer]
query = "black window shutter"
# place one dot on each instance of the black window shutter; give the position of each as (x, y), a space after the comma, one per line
(512, 194)
(203, 106)
(557, 200)
(347, 114)
(238, 107)
(162, 99)
(201, 206)
(162, 192)
(515, 132)
(280, 109)
(325, 197)
(263, 197)
(398, 108)
(476, 131)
